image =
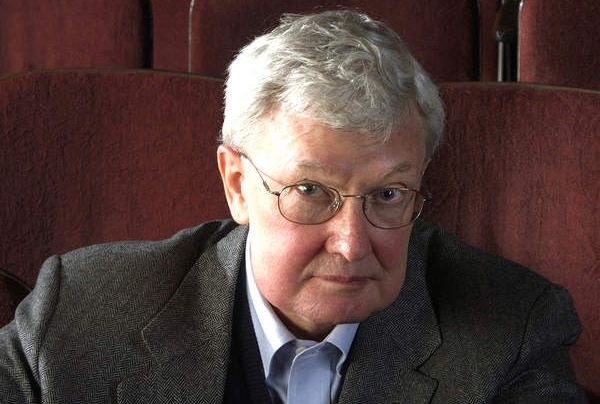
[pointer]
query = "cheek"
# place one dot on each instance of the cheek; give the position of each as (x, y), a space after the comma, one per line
(280, 252)
(391, 250)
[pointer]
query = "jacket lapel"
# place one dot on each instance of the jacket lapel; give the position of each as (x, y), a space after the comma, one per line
(189, 340)
(391, 345)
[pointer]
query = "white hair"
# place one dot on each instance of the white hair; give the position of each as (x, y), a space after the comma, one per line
(340, 68)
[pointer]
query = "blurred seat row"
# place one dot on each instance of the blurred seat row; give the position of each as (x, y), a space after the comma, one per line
(551, 41)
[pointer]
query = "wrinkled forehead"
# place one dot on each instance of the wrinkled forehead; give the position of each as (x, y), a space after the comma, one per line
(287, 130)
(290, 142)
(297, 126)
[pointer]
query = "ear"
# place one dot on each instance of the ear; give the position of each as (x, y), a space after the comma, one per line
(232, 175)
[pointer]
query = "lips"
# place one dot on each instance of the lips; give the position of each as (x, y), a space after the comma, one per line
(346, 280)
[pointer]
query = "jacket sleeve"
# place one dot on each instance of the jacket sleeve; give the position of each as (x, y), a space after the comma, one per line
(543, 372)
(21, 340)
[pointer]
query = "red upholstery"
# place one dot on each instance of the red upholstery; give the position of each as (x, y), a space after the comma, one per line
(560, 42)
(489, 46)
(170, 33)
(89, 156)
(442, 35)
(73, 33)
(12, 291)
(519, 175)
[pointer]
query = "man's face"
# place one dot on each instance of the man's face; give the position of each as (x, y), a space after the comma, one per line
(340, 271)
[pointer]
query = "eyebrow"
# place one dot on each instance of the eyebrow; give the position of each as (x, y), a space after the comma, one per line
(400, 168)
(310, 165)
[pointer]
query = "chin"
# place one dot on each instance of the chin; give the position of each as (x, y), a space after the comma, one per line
(351, 312)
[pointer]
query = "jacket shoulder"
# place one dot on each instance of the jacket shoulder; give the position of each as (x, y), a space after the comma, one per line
(111, 259)
(499, 320)
(135, 272)
(461, 268)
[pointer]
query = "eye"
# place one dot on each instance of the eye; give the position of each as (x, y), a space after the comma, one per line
(308, 189)
(390, 195)
(312, 191)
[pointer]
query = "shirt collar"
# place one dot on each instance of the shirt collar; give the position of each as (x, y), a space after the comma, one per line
(271, 333)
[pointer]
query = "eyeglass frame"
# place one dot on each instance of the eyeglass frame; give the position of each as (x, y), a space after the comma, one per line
(339, 198)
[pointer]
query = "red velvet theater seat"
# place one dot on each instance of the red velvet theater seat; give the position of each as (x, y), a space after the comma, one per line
(559, 42)
(519, 175)
(90, 156)
(443, 35)
(73, 33)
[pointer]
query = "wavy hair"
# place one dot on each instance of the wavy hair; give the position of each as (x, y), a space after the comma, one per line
(340, 68)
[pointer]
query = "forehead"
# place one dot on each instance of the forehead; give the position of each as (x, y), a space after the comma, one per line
(301, 144)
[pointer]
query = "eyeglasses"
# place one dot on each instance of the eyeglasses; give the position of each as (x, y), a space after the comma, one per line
(309, 202)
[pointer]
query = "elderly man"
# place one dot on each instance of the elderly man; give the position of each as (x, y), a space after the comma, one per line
(325, 288)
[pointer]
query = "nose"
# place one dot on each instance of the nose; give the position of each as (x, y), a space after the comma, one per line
(349, 231)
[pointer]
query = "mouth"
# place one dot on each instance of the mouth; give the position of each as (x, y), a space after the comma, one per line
(347, 281)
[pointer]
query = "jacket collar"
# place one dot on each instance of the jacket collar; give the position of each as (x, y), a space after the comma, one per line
(189, 340)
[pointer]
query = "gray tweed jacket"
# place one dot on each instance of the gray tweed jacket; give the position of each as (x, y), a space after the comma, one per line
(150, 322)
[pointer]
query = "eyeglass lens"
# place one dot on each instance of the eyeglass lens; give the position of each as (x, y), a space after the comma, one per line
(312, 203)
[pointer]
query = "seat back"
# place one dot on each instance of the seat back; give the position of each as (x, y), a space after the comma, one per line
(204, 35)
(519, 175)
(89, 156)
(73, 33)
(559, 42)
